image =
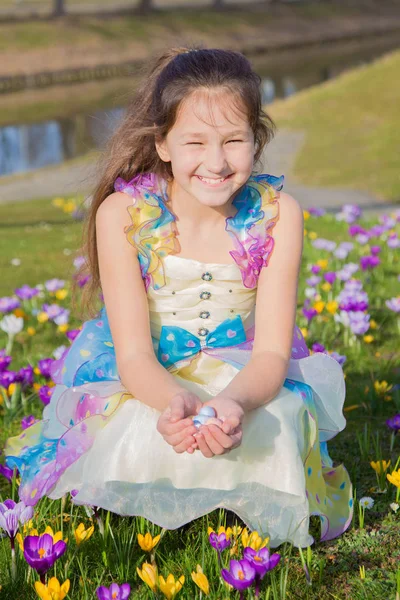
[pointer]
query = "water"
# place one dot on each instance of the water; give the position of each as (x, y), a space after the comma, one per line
(26, 147)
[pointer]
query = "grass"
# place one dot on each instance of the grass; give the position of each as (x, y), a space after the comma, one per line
(37, 233)
(351, 126)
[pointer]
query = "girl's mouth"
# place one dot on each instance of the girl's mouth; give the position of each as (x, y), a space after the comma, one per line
(213, 182)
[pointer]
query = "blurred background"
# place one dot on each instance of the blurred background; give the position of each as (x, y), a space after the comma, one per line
(68, 69)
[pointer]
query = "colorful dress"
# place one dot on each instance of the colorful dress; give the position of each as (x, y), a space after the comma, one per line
(101, 443)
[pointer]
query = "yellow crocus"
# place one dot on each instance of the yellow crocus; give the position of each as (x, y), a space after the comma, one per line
(312, 235)
(382, 387)
(53, 590)
(304, 331)
(18, 312)
(63, 328)
(11, 388)
(201, 580)
(147, 542)
(306, 215)
(148, 574)
(253, 540)
(30, 330)
(36, 370)
(380, 466)
(368, 339)
(332, 307)
(61, 294)
(305, 232)
(319, 306)
(170, 587)
(69, 206)
(373, 324)
(82, 534)
(323, 263)
(394, 477)
(42, 317)
(59, 202)
(326, 287)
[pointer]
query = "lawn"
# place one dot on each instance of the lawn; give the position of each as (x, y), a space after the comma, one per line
(39, 242)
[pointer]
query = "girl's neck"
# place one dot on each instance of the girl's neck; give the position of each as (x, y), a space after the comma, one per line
(188, 209)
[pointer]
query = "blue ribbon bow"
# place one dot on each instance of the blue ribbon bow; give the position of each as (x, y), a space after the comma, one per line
(177, 343)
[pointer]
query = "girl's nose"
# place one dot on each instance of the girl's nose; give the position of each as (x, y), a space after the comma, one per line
(215, 160)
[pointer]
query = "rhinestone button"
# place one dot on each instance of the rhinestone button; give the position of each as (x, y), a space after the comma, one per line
(205, 295)
(204, 314)
(203, 331)
(206, 276)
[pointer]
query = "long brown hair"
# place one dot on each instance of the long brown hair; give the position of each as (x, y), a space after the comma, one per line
(169, 80)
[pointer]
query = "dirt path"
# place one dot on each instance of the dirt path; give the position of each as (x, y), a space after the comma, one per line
(78, 177)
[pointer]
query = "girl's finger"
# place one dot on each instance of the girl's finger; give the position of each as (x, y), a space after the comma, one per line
(222, 438)
(212, 443)
(203, 446)
(177, 438)
(230, 424)
(165, 427)
(183, 445)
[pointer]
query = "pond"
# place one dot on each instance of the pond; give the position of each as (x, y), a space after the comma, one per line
(57, 137)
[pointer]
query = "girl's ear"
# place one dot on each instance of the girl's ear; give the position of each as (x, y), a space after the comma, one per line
(162, 151)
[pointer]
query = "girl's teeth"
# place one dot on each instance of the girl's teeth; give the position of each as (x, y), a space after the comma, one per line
(212, 181)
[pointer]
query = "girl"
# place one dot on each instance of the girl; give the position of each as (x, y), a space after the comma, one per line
(198, 258)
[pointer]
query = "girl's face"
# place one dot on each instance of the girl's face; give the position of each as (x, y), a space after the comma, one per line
(210, 147)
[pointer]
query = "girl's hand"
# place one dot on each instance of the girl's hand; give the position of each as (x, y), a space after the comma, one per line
(175, 424)
(212, 439)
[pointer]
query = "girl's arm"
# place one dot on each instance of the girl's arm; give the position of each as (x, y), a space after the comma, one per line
(127, 308)
(263, 376)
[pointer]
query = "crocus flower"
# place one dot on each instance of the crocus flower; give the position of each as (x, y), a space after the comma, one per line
(44, 366)
(26, 292)
(82, 534)
(380, 466)
(45, 393)
(52, 285)
(261, 560)
(393, 304)
(53, 590)
(394, 477)
(28, 421)
(5, 360)
(114, 592)
(201, 580)
(170, 587)
(219, 542)
(79, 261)
(369, 262)
(12, 515)
(147, 542)
(253, 540)
(6, 472)
(394, 422)
(72, 334)
(41, 552)
(241, 574)
(316, 211)
(149, 575)
(7, 305)
(11, 324)
(7, 378)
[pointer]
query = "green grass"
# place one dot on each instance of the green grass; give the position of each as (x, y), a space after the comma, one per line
(351, 125)
(334, 566)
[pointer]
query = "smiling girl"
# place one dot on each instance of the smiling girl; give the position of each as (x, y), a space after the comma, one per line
(192, 388)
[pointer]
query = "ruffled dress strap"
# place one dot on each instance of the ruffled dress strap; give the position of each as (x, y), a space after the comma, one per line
(153, 231)
(251, 228)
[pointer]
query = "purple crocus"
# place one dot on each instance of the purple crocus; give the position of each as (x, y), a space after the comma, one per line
(72, 334)
(369, 262)
(41, 552)
(25, 376)
(26, 292)
(114, 592)
(330, 277)
(6, 472)
(219, 542)
(28, 421)
(12, 515)
(7, 304)
(5, 360)
(394, 422)
(393, 304)
(316, 211)
(52, 285)
(52, 310)
(261, 559)
(7, 378)
(318, 348)
(340, 358)
(241, 575)
(45, 393)
(393, 242)
(44, 366)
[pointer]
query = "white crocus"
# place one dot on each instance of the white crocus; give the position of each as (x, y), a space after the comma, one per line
(11, 325)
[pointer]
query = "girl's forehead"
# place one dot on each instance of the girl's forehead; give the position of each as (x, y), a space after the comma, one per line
(202, 111)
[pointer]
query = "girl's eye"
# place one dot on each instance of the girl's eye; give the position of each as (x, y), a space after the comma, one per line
(193, 143)
(235, 141)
